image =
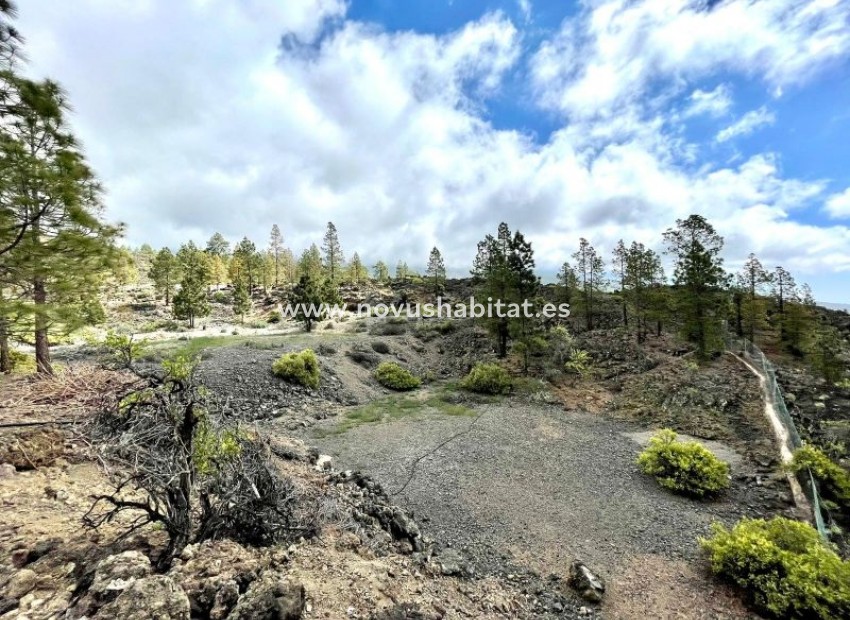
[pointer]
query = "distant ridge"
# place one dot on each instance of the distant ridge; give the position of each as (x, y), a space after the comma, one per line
(845, 307)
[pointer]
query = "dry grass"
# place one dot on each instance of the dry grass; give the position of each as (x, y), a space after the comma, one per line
(70, 394)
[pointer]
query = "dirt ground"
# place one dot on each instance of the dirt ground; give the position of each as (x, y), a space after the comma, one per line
(512, 488)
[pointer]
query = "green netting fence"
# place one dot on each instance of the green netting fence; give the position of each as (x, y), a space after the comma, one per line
(774, 395)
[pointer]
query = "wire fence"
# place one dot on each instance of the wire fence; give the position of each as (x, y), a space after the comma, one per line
(774, 396)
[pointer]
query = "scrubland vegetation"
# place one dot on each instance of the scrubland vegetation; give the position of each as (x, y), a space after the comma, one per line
(185, 468)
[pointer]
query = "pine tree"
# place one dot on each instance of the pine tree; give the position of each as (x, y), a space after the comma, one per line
(700, 281)
(618, 265)
(566, 283)
(251, 262)
(356, 271)
(402, 271)
(436, 271)
(241, 299)
(504, 273)
(190, 302)
(642, 276)
(276, 250)
(784, 288)
(165, 273)
(752, 279)
(590, 269)
(218, 246)
(288, 266)
(381, 271)
(55, 249)
(307, 294)
(800, 321)
(334, 259)
(310, 264)
(218, 270)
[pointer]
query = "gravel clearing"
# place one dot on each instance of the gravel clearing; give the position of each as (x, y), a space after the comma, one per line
(533, 485)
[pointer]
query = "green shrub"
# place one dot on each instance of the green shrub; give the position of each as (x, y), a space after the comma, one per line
(21, 362)
(784, 567)
(833, 479)
(123, 349)
(257, 324)
(301, 368)
(684, 467)
(274, 317)
(394, 377)
(579, 363)
(844, 384)
(487, 379)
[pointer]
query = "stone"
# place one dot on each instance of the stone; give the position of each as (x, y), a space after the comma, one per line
(118, 573)
(270, 598)
(586, 583)
(27, 555)
(225, 600)
(7, 470)
(21, 583)
(450, 563)
(148, 598)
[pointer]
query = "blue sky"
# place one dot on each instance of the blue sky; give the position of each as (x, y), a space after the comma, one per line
(417, 123)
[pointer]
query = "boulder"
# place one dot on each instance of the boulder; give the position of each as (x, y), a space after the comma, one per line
(21, 583)
(586, 583)
(118, 573)
(270, 598)
(148, 598)
(450, 562)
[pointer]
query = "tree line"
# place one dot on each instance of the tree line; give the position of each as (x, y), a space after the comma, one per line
(183, 278)
(701, 301)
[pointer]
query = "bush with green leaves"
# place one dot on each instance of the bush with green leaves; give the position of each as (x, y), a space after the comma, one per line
(487, 379)
(579, 363)
(274, 317)
(175, 467)
(394, 377)
(833, 479)
(124, 349)
(685, 467)
(301, 368)
(784, 567)
(21, 363)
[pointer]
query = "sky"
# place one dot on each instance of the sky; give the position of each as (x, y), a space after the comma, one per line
(414, 123)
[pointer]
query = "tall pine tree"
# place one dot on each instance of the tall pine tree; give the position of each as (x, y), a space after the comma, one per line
(699, 280)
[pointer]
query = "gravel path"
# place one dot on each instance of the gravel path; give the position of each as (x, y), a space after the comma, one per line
(532, 484)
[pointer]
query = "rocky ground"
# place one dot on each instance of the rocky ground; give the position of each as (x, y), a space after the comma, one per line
(464, 507)
(522, 485)
(370, 561)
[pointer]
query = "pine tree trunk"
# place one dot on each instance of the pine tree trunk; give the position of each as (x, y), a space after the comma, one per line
(42, 344)
(739, 326)
(5, 357)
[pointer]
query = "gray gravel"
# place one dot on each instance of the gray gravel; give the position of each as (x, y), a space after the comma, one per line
(533, 484)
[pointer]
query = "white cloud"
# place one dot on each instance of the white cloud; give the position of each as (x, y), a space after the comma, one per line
(209, 125)
(712, 103)
(747, 124)
(525, 9)
(838, 205)
(614, 51)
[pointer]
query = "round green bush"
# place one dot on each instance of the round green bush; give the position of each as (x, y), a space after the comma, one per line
(785, 568)
(394, 377)
(487, 379)
(301, 368)
(684, 467)
(833, 479)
